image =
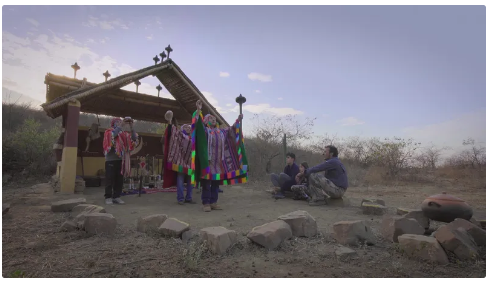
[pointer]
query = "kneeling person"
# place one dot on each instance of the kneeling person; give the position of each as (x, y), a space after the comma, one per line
(333, 183)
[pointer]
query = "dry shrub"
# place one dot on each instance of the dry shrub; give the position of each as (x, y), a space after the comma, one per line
(375, 175)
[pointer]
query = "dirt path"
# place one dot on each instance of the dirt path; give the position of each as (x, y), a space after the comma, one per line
(34, 247)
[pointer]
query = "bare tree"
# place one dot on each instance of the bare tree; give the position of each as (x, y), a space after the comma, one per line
(269, 132)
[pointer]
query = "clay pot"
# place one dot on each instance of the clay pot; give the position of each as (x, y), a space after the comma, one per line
(446, 208)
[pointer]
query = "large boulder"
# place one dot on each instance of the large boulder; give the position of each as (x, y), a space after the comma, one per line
(373, 209)
(150, 222)
(423, 248)
(86, 207)
(301, 223)
(270, 235)
(373, 201)
(394, 226)
(100, 223)
(419, 216)
(79, 219)
(218, 239)
(477, 233)
(67, 205)
(457, 241)
(173, 227)
(353, 233)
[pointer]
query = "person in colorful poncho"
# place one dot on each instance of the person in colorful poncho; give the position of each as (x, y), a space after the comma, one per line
(118, 145)
(218, 156)
(177, 159)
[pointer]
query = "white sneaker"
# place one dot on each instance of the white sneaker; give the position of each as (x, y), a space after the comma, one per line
(118, 201)
(108, 201)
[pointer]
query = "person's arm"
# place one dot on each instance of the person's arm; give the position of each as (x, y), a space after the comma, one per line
(320, 167)
(116, 131)
(298, 178)
(134, 136)
(293, 173)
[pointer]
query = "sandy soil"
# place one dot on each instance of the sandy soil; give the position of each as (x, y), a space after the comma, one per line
(33, 245)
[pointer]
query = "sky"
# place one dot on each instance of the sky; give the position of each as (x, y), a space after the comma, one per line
(370, 71)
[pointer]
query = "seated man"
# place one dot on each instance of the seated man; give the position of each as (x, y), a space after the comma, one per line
(334, 182)
(287, 178)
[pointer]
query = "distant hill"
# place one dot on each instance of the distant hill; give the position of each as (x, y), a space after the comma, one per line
(10, 96)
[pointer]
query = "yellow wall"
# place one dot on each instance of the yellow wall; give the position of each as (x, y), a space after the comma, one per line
(93, 164)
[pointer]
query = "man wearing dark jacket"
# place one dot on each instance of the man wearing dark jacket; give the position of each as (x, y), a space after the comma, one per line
(287, 178)
(333, 183)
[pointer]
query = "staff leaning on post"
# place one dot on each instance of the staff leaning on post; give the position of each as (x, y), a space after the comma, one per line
(118, 145)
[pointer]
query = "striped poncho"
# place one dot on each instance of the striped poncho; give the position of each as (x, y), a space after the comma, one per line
(218, 154)
(177, 155)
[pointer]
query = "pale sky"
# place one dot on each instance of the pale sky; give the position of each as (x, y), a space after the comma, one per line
(409, 71)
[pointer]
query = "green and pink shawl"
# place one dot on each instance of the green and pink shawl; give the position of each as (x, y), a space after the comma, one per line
(218, 154)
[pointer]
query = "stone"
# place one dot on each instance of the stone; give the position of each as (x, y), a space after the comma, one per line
(36, 200)
(423, 248)
(395, 226)
(340, 202)
(301, 223)
(477, 233)
(270, 235)
(342, 252)
(190, 236)
(373, 201)
(218, 239)
(353, 233)
(419, 217)
(68, 226)
(100, 223)
(5, 208)
(67, 205)
(150, 222)
(173, 227)
(403, 211)
(457, 241)
(79, 220)
(373, 209)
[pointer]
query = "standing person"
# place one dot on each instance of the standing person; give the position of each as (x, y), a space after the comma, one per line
(300, 187)
(333, 183)
(185, 130)
(177, 158)
(287, 178)
(117, 146)
(218, 159)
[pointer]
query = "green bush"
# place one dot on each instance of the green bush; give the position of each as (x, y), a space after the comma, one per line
(29, 149)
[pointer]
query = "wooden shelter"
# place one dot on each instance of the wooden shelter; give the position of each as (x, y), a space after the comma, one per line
(67, 97)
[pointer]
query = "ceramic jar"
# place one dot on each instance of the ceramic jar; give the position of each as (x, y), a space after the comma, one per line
(446, 208)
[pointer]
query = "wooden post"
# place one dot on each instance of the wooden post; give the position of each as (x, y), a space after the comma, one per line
(70, 148)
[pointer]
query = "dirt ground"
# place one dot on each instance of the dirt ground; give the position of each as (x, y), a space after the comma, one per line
(33, 245)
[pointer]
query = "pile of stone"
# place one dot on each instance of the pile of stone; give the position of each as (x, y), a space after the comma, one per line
(92, 219)
(217, 239)
(373, 206)
(461, 238)
(271, 235)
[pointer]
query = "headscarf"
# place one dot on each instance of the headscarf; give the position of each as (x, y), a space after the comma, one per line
(182, 128)
(207, 122)
(113, 121)
(214, 133)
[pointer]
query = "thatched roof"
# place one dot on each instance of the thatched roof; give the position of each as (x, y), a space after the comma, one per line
(108, 99)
